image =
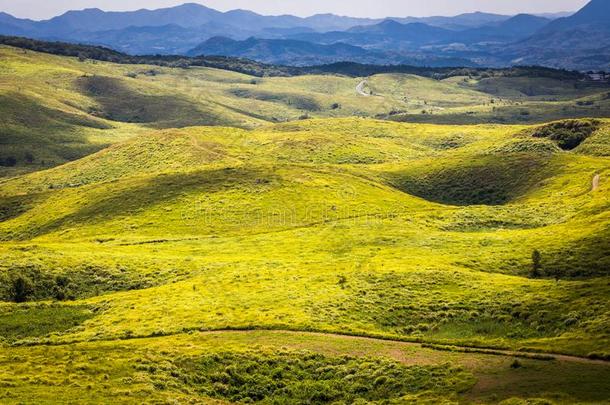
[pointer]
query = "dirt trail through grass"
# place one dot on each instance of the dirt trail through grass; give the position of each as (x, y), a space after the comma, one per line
(475, 351)
(595, 184)
(464, 350)
(360, 89)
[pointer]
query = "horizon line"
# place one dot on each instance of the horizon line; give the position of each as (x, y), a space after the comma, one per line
(285, 14)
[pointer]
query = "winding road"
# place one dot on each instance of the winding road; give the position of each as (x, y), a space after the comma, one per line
(360, 89)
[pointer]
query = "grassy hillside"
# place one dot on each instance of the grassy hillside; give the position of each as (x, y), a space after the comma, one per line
(200, 193)
(58, 109)
(129, 267)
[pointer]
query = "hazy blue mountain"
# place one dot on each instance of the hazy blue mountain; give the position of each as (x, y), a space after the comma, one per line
(589, 28)
(166, 39)
(301, 53)
(388, 35)
(392, 35)
(576, 40)
(554, 16)
(10, 25)
(332, 22)
(458, 22)
(514, 29)
(595, 12)
(281, 51)
(282, 33)
(580, 41)
(188, 15)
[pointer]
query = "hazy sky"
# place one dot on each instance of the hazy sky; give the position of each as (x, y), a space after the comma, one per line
(40, 9)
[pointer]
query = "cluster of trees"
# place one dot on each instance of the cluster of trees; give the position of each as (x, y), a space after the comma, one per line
(11, 161)
(568, 134)
(362, 70)
(29, 283)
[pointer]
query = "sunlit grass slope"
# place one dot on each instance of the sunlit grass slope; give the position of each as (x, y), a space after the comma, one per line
(406, 230)
(504, 100)
(172, 204)
(57, 109)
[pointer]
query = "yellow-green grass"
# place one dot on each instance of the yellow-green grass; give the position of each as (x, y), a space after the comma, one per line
(56, 109)
(158, 370)
(506, 100)
(411, 231)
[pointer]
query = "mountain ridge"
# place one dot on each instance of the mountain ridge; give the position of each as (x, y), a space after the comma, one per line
(471, 39)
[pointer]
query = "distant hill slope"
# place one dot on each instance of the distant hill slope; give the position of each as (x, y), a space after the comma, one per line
(587, 29)
(514, 29)
(388, 35)
(59, 108)
(294, 52)
(580, 40)
(281, 51)
(191, 16)
(458, 22)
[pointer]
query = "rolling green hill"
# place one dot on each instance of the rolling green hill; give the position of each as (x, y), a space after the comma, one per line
(341, 258)
(57, 109)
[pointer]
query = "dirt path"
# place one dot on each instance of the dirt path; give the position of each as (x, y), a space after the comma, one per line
(472, 351)
(397, 343)
(595, 184)
(360, 89)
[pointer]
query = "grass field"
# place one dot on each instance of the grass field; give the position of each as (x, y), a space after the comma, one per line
(57, 109)
(179, 244)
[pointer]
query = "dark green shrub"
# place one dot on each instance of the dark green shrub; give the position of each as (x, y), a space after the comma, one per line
(516, 364)
(536, 270)
(599, 356)
(21, 288)
(567, 134)
(8, 162)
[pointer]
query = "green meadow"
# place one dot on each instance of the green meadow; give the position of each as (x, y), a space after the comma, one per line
(196, 235)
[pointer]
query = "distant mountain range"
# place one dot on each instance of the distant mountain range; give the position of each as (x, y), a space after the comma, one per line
(578, 41)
